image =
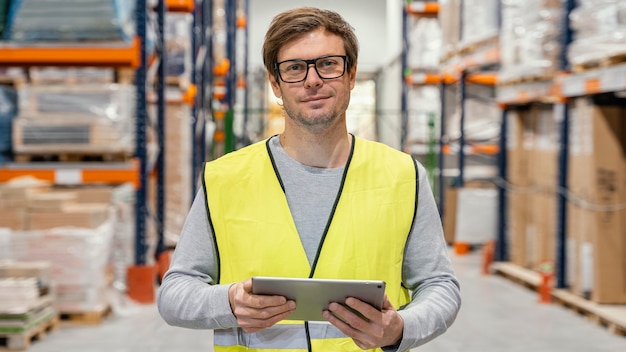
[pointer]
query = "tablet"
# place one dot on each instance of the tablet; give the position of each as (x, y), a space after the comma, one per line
(313, 296)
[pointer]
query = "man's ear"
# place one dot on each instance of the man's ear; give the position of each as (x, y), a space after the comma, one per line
(352, 74)
(275, 85)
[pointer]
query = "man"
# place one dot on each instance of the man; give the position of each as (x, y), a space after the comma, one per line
(315, 202)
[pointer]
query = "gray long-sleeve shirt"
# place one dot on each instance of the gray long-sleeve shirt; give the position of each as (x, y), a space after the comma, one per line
(184, 298)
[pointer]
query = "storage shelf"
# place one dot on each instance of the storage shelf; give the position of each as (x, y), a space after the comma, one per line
(420, 78)
(481, 57)
(599, 80)
(74, 173)
(105, 55)
(524, 93)
(175, 96)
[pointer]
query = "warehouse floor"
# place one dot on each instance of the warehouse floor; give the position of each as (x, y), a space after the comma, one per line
(497, 315)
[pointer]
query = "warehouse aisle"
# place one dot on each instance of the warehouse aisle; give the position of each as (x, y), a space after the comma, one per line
(497, 316)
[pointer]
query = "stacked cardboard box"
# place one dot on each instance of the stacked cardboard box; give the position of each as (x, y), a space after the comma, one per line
(518, 144)
(596, 231)
(543, 180)
(179, 182)
(14, 200)
(532, 151)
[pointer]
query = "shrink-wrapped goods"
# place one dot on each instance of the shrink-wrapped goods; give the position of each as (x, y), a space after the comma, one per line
(479, 22)
(425, 44)
(70, 21)
(82, 118)
(599, 32)
(530, 39)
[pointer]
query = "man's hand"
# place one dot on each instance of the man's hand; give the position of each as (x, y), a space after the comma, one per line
(257, 312)
(378, 329)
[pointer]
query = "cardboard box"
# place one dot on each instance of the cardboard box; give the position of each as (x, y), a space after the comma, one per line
(94, 194)
(601, 191)
(14, 219)
(51, 201)
(15, 193)
(86, 215)
(519, 142)
(449, 214)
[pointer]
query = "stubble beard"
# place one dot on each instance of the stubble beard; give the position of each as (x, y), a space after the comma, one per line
(313, 122)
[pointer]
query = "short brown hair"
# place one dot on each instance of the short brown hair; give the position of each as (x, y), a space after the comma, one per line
(291, 24)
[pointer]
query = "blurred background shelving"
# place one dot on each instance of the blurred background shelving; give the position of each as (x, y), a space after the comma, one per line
(515, 107)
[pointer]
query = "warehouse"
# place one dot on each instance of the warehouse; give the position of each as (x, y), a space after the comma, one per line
(129, 179)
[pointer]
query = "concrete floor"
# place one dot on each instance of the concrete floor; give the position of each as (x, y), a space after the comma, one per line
(498, 315)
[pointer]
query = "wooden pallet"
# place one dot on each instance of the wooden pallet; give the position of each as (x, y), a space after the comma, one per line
(608, 61)
(22, 341)
(527, 79)
(73, 157)
(475, 46)
(613, 317)
(522, 276)
(93, 317)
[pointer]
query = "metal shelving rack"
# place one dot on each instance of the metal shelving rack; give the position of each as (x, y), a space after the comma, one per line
(556, 91)
(130, 55)
(202, 77)
(416, 77)
(473, 67)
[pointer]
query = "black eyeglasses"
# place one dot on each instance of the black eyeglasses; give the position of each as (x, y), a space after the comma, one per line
(327, 67)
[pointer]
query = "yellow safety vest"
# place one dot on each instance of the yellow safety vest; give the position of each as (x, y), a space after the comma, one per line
(255, 233)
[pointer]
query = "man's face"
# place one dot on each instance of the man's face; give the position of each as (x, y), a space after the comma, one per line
(315, 103)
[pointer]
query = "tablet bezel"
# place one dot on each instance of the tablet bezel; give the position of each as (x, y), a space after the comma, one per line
(313, 295)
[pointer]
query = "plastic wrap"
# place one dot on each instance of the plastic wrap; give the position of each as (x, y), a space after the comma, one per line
(79, 259)
(450, 23)
(423, 104)
(72, 75)
(70, 20)
(530, 39)
(425, 44)
(75, 119)
(599, 31)
(476, 221)
(479, 21)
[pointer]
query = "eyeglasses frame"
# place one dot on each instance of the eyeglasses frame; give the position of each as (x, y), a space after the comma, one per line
(308, 65)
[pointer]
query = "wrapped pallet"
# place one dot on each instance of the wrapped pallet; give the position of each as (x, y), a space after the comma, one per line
(530, 39)
(70, 21)
(79, 258)
(599, 28)
(81, 118)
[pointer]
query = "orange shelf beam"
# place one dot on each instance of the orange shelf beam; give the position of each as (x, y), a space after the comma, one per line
(104, 55)
(76, 176)
(423, 79)
(423, 8)
(490, 79)
(180, 5)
